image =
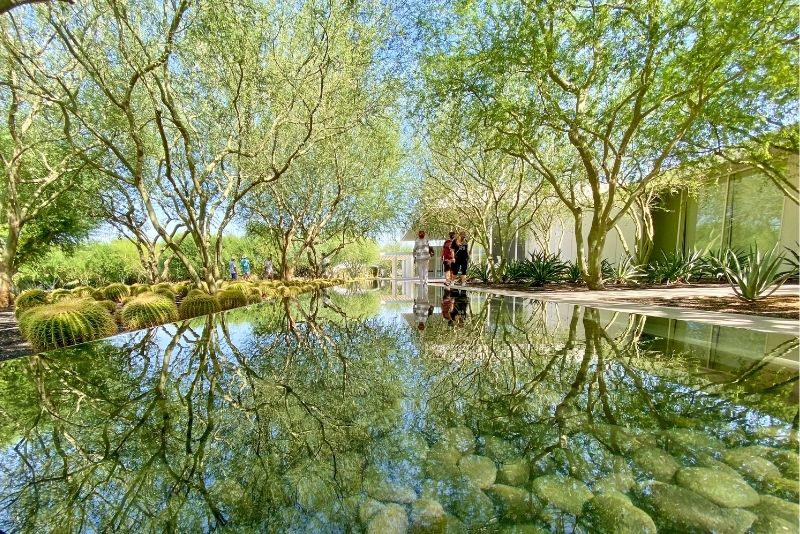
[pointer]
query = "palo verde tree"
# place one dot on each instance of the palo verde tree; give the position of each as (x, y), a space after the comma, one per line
(345, 190)
(602, 97)
(469, 185)
(194, 105)
(45, 185)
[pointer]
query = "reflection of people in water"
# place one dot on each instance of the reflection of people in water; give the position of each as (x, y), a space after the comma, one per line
(460, 304)
(422, 306)
(447, 306)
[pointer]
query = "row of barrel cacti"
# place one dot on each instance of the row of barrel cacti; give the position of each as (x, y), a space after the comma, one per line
(63, 317)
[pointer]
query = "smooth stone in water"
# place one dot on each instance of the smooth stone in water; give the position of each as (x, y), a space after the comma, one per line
(480, 470)
(442, 462)
(783, 486)
(685, 511)
(774, 525)
(514, 472)
(621, 476)
(688, 441)
(750, 465)
(524, 529)
(391, 520)
(473, 507)
(656, 463)
(773, 506)
(607, 487)
(498, 449)
(459, 438)
(515, 504)
(622, 439)
(428, 517)
(721, 488)
(383, 490)
(565, 493)
(787, 461)
(613, 512)
(706, 460)
(369, 508)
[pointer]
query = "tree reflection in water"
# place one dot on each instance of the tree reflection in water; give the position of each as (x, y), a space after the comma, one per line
(319, 414)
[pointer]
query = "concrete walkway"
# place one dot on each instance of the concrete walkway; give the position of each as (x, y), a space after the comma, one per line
(625, 301)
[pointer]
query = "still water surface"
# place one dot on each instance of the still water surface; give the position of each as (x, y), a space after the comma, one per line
(392, 410)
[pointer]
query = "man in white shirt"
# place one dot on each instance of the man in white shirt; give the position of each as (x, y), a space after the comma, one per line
(422, 256)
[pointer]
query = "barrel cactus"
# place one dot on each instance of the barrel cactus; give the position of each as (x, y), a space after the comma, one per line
(181, 289)
(98, 294)
(60, 294)
(148, 309)
(29, 299)
(231, 298)
(198, 303)
(65, 323)
(81, 291)
(166, 292)
(138, 289)
(116, 292)
(109, 305)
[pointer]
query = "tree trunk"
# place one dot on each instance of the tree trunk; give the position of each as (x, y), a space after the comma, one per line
(287, 270)
(7, 266)
(593, 276)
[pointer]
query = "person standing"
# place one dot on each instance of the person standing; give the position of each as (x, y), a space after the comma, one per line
(422, 307)
(268, 268)
(232, 268)
(447, 259)
(422, 256)
(245, 263)
(460, 248)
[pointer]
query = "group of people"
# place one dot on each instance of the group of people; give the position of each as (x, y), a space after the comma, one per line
(455, 258)
(454, 306)
(244, 263)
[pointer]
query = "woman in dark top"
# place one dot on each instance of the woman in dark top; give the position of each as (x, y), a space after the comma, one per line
(460, 247)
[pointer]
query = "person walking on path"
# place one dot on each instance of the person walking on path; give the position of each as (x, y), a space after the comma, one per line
(422, 256)
(460, 248)
(447, 259)
(245, 262)
(232, 268)
(268, 268)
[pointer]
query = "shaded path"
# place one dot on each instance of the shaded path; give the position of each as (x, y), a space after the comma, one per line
(12, 344)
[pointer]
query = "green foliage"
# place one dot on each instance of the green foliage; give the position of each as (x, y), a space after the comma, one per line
(573, 273)
(715, 263)
(66, 323)
(149, 309)
(231, 298)
(752, 279)
(116, 292)
(516, 271)
(198, 303)
(793, 259)
(675, 267)
(544, 268)
(30, 299)
(624, 272)
(480, 271)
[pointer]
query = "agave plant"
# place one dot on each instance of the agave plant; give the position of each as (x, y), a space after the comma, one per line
(573, 273)
(624, 272)
(544, 268)
(758, 276)
(793, 259)
(675, 267)
(480, 271)
(714, 263)
(516, 271)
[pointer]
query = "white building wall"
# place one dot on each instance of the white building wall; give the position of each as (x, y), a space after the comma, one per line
(561, 239)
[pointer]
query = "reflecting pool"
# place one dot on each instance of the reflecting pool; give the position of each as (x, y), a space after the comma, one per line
(391, 409)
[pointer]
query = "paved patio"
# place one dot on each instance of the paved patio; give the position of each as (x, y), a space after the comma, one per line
(625, 301)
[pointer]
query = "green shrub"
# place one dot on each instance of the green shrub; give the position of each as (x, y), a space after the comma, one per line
(29, 299)
(149, 309)
(116, 292)
(231, 298)
(198, 303)
(793, 259)
(752, 279)
(675, 267)
(714, 263)
(166, 292)
(480, 272)
(64, 323)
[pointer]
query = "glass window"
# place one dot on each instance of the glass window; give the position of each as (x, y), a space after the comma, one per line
(756, 211)
(710, 217)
